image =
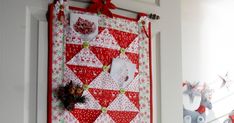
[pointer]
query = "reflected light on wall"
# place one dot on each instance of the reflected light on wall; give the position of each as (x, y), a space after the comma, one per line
(208, 49)
(217, 38)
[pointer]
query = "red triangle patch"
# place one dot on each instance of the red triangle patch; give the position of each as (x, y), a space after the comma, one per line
(100, 29)
(72, 50)
(134, 58)
(105, 55)
(84, 73)
(104, 97)
(134, 98)
(122, 116)
(86, 115)
(124, 39)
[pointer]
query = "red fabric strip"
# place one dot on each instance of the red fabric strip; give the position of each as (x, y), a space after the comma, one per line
(151, 78)
(50, 54)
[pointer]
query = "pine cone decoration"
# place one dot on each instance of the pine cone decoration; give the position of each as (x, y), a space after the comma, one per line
(71, 94)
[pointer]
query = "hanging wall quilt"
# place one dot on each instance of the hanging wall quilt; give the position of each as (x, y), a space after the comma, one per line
(99, 67)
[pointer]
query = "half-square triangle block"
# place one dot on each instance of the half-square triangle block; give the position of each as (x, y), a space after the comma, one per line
(72, 37)
(134, 46)
(85, 74)
(67, 117)
(105, 55)
(134, 85)
(69, 75)
(124, 39)
(91, 102)
(105, 40)
(104, 81)
(122, 103)
(133, 97)
(104, 97)
(85, 58)
(136, 119)
(72, 50)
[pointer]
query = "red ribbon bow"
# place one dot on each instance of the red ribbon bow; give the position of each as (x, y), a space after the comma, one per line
(102, 6)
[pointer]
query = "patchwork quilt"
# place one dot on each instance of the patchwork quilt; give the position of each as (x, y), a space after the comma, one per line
(108, 57)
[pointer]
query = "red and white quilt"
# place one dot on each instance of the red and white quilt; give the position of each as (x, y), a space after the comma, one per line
(111, 60)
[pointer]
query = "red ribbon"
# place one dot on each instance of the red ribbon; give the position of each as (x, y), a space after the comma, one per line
(102, 6)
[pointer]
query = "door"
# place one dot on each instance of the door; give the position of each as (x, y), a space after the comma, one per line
(22, 34)
(23, 58)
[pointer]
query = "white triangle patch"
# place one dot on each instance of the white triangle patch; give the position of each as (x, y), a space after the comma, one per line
(72, 37)
(134, 46)
(122, 103)
(64, 115)
(104, 118)
(85, 58)
(68, 117)
(134, 85)
(90, 103)
(70, 76)
(104, 81)
(105, 40)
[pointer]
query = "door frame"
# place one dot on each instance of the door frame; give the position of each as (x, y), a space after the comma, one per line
(36, 50)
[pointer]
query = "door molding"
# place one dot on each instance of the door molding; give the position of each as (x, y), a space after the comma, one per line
(36, 49)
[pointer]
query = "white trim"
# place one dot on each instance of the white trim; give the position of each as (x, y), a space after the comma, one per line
(26, 65)
(38, 15)
(42, 73)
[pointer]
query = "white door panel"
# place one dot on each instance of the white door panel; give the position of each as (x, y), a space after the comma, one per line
(18, 65)
(42, 73)
(36, 50)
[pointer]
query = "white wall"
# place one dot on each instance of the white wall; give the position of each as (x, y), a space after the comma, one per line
(208, 47)
(171, 73)
(12, 57)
